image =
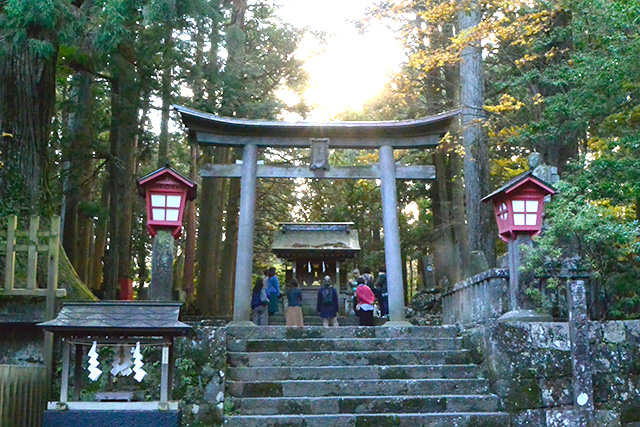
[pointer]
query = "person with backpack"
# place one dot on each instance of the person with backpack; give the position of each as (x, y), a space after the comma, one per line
(259, 302)
(382, 292)
(328, 306)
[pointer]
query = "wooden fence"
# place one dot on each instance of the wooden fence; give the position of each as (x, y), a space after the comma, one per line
(31, 241)
(22, 395)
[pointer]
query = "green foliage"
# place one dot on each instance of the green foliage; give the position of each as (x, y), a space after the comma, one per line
(599, 240)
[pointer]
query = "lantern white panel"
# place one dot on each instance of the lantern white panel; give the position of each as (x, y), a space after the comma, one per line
(518, 206)
(172, 214)
(532, 206)
(158, 201)
(173, 201)
(518, 219)
(158, 214)
(532, 219)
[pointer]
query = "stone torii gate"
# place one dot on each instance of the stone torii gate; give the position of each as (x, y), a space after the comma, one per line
(209, 129)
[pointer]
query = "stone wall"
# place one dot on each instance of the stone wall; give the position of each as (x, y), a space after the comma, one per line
(529, 368)
(199, 376)
(21, 341)
(477, 299)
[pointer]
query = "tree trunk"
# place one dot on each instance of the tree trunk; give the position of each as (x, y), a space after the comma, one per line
(188, 275)
(209, 241)
(124, 134)
(227, 279)
(163, 146)
(79, 160)
(99, 242)
(476, 157)
(27, 97)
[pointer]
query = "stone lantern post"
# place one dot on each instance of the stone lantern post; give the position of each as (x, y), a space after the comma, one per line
(166, 192)
(518, 206)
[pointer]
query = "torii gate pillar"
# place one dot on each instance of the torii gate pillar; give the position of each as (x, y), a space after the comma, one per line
(392, 255)
(246, 226)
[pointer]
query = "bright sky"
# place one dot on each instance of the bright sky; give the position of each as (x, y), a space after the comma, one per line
(351, 68)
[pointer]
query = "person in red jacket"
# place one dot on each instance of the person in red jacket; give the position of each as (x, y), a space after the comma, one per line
(366, 299)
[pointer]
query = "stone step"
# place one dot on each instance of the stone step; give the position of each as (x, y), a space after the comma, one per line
(352, 372)
(344, 344)
(361, 332)
(314, 320)
(457, 419)
(365, 405)
(302, 388)
(348, 358)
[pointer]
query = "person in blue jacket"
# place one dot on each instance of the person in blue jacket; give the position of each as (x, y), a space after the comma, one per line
(273, 290)
(328, 304)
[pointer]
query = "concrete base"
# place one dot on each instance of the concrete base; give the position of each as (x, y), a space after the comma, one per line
(95, 418)
(524, 316)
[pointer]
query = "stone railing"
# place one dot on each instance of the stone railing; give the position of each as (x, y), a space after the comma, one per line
(477, 299)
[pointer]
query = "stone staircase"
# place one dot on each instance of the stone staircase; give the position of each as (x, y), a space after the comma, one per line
(355, 376)
(313, 320)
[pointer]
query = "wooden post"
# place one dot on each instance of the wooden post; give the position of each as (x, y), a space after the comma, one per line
(171, 369)
(50, 303)
(32, 261)
(244, 259)
(164, 379)
(10, 260)
(64, 388)
(392, 256)
(77, 372)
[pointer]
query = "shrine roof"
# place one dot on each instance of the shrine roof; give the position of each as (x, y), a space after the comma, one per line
(213, 129)
(118, 317)
(322, 239)
(517, 182)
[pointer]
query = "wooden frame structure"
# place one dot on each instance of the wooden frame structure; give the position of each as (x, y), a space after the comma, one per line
(115, 323)
(32, 246)
(209, 129)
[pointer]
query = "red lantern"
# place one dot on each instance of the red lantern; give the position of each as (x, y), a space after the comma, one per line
(518, 205)
(166, 192)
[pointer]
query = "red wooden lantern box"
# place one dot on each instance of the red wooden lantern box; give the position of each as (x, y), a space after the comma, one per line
(166, 192)
(518, 205)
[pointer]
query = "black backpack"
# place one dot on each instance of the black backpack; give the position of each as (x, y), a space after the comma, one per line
(327, 296)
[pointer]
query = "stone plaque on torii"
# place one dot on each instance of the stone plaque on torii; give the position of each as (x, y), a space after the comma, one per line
(209, 129)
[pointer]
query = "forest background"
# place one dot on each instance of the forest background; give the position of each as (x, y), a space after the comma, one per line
(81, 79)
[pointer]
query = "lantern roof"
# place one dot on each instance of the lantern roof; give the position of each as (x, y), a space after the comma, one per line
(118, 317)
(316, 240)
(518, 182)
(163, 171)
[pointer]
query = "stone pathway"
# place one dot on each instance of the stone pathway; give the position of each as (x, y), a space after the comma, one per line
(356, 376)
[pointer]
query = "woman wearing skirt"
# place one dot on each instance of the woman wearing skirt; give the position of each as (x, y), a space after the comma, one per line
(294, 308)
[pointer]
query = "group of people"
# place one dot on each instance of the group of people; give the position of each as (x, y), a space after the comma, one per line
(265, 300)
(366, 292)
(266, 293)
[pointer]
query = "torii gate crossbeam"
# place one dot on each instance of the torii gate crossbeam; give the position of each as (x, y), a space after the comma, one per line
(209, 129)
